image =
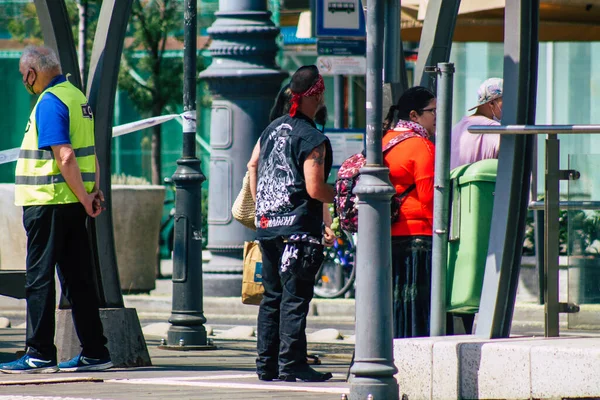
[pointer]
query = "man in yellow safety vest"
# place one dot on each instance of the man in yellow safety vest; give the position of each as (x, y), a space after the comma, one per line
(57, 184)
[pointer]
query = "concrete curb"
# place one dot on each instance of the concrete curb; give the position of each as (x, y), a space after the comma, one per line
(467, 367)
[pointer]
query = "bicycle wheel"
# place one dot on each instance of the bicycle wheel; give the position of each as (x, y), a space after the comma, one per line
(338, 271)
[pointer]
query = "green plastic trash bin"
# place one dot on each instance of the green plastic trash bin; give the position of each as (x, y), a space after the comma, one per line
(473, 188)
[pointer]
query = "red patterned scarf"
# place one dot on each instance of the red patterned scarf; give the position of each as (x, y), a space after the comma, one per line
(416, 128)
(317, 88)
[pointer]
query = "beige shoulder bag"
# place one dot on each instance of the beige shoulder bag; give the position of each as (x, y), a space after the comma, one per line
(244, 208)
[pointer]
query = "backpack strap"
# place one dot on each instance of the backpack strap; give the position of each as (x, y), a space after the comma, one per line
(399, 139)
(402, 195)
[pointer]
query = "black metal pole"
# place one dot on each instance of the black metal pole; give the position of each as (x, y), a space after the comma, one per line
(187, 315)
(338, 101)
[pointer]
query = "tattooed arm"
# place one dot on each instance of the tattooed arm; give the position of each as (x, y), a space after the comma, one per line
(314, 175)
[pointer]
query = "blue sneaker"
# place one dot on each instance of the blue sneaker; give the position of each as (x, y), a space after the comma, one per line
(29, 365)
(83, 363)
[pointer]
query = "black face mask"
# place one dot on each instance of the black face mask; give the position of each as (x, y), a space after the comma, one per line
(28, 86)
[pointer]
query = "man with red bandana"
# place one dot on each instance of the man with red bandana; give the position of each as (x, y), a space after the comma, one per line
(288, 175)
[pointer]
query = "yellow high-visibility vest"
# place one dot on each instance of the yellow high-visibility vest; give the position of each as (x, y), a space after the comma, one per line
(38, 180)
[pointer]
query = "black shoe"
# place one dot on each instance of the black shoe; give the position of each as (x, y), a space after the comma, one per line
(267, 376)
(306, 375)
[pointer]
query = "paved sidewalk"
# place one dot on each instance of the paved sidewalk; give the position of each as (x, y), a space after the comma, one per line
(225, 373)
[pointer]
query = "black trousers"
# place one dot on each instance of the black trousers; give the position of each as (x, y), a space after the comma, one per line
(411, 266)
(288, 273)
(57, 236)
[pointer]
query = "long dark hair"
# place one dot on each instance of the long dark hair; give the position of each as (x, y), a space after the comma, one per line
(282, 103)
(414, 99)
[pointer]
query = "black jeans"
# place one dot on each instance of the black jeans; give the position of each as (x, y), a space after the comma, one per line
(288, 274)
(411, 266)
(57, 235)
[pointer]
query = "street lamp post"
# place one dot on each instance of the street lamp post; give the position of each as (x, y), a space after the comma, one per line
(373, 371)
(187, 315)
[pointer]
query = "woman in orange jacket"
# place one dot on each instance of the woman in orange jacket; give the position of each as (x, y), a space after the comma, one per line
(411, 164)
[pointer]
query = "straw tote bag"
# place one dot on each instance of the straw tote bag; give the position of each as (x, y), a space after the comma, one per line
(243, 209)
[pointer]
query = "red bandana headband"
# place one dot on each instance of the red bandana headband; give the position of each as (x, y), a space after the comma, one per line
(317, 88)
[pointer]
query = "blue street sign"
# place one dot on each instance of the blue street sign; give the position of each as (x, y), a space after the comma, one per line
(340, 18)
(337, 47)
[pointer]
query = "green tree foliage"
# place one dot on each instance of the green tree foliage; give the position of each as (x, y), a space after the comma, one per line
(22, 22)
(152, 79)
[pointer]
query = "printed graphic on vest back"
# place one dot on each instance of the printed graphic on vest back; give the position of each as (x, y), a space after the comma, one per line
(274, 177)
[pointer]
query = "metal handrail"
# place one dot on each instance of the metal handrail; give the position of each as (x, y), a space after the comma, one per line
(534, 129)
(551, 206)
(568, 205)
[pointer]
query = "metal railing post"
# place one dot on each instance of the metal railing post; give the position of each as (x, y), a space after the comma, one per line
(551, 198)
(552, 205)
(445, 72)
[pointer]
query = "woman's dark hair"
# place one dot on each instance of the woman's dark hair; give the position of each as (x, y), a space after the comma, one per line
(321, 116)
(282, 103)
(414, 99)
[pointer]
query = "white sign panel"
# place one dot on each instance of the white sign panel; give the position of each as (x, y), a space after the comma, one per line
(335, 65)
(340, 18)
(344, 145)
(341, 14)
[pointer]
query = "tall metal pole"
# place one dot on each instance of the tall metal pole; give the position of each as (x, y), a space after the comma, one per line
(374, 370)
(351, 103)
(338, 101)
(445, 72)
(395, 65)
(551, 228)
(187, 315)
